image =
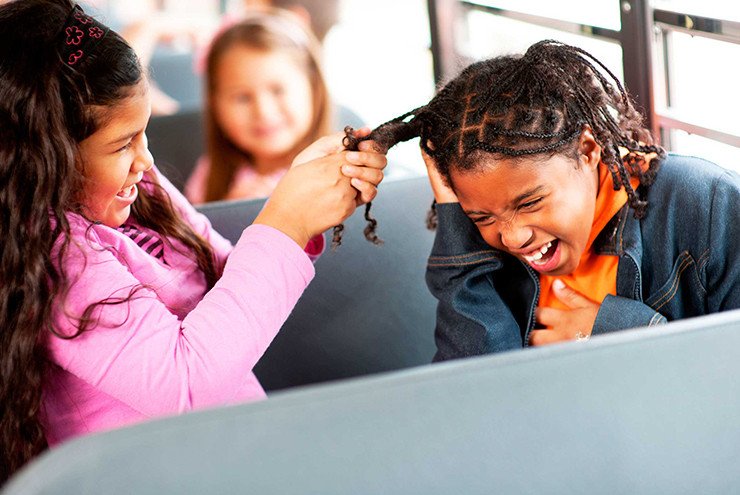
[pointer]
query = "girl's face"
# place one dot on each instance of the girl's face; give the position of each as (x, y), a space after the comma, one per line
(115, 157)
(539, 210)
(263, 101)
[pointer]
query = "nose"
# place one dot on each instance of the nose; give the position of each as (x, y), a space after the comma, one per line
(264, 107)
(144, 160)
(516, 236)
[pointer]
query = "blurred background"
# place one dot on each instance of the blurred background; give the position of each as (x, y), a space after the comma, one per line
(385, 57)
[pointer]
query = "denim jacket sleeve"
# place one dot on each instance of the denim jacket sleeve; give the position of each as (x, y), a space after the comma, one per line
(722, 270)
(621, 313)
(462, 274)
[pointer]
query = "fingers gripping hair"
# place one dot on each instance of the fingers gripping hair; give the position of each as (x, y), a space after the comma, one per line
(385, 136)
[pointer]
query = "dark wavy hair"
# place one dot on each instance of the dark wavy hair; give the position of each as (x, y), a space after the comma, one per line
(46, 110)
(529, 105)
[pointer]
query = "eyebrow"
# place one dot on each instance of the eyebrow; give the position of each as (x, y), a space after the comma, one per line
(514, 202)
(526, 194)
(128, 136)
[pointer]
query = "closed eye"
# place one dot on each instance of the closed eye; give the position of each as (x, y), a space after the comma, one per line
(487, 220)
(530, 204)
(124, 147)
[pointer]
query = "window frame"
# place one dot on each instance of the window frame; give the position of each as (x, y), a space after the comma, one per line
(646, 53)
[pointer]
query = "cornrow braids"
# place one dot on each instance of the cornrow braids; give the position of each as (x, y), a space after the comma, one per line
(537, 103)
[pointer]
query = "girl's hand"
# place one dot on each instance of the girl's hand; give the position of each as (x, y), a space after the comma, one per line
(329, 145)
(575, 323)
(314, 196)
(363, 167)
(365, 170)
(442, 192)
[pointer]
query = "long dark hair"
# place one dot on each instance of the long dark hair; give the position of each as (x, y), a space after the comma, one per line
(45, 111)
(528, 105)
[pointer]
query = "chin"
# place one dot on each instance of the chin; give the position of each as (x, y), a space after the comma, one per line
(115, 221)
(561, 271)
(278, 150)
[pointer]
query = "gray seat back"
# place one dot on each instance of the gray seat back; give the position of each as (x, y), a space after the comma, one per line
(368, 308)
(176, 142)
(639, 412)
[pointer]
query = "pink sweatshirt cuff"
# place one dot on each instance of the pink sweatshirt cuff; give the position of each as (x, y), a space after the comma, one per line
(281, 243)
(315, 247)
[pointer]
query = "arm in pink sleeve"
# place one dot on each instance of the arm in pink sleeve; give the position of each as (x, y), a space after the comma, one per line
(142, 355)
(202, 225)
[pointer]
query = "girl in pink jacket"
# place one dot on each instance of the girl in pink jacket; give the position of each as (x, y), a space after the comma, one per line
(118, 302)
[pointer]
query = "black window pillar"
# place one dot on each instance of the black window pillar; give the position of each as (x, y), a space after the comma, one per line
(636, 39)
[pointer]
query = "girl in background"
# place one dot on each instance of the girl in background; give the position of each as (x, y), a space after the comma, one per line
(266, 100)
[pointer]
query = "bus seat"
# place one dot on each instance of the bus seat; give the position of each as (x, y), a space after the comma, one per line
(176, 142)
(641, 412)
(368, 308)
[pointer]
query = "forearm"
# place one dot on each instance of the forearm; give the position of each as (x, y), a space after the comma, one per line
(621, 313)
(472, 318)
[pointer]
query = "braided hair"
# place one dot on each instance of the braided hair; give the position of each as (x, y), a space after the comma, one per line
(528, 105)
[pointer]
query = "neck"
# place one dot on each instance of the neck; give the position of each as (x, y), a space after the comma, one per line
(266, 166)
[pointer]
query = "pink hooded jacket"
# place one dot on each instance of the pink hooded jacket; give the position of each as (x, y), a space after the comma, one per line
(173, 347)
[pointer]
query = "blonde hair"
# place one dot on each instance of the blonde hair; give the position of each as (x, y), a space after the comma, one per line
(269, 30)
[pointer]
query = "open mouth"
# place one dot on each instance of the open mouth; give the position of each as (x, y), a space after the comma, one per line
(127, 192)
(543, 256)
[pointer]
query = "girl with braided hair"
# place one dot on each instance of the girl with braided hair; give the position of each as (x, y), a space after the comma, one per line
(558, 216)
(118, 301)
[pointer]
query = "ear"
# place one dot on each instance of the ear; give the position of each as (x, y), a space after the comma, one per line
(589, 150)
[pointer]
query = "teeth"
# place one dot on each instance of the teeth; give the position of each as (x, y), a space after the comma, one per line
(125, 193)
(538, 255)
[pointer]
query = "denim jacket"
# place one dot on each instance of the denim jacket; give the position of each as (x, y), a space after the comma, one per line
(681, 260)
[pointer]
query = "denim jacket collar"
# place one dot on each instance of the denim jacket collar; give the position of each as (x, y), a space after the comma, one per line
(622, 237)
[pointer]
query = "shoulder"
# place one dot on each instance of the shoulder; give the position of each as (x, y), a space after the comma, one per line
(691, 171)
(691, 180)
(690, 195)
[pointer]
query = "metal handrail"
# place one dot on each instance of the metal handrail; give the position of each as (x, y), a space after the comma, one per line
(670, 120)
(548, 22)
(709, 27)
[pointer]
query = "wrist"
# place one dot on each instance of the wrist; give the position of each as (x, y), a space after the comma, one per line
(444, 195)
(285, 223)
(445, 198)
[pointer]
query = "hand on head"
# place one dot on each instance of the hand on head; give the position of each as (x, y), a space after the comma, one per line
(442, 192)
(323, 188)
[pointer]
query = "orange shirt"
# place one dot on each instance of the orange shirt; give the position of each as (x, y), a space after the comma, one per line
(596, 275)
